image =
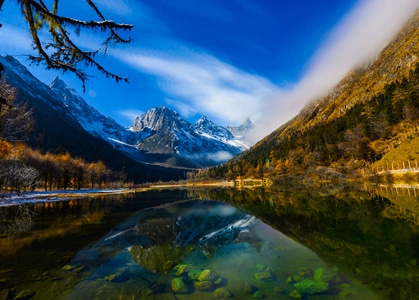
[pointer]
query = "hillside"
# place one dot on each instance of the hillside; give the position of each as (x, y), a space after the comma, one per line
(372, 110)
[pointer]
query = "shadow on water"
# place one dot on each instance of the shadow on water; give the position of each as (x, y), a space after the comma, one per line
(329, 243)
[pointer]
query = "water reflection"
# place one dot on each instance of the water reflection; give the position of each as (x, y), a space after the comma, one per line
(359, 229)
(205, 249)
(327, 243)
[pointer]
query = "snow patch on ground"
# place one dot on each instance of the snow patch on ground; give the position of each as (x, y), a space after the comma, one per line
(52, 196)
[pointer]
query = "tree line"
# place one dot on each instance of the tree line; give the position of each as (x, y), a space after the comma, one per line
(23, 168)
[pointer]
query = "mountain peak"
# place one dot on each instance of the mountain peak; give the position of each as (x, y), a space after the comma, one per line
(206, 126)
(202, 120)
(57, 81)
(241, 129)
(157, 118)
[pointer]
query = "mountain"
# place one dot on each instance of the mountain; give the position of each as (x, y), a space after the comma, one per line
(370, 113)
(164, 133)
(88, 117)
(56, 129)
(242, 129)
(159, 137)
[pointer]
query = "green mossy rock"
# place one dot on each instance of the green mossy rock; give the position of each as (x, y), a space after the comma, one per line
(265, 276)
(310, 287)
(194, 273)
(179, 286)
(206, 275)
(222, 293)
(296, 294)
(181, 269)
(203, 285)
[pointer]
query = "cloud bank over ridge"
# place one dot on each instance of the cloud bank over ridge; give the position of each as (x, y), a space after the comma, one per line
(359, 38)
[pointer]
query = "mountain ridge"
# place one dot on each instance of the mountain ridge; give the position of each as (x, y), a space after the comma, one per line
(160, 136)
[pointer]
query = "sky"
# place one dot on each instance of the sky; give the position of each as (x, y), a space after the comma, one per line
(228, 60)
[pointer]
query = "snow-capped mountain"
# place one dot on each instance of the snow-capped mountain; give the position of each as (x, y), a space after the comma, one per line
(205, 126)
(204, 143)
(242, 129)
(160, 136)
(89, 118)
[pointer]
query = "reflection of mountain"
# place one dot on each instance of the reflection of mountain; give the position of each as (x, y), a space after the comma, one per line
(206, 226)
(346, 227)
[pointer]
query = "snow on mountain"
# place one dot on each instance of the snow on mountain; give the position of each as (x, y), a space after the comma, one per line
(242, 129)
(159, 136)
(89, 118)
(18, 76)
(203, 143)
(205, 126)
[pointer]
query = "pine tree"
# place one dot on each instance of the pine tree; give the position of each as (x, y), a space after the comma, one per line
(61, 52)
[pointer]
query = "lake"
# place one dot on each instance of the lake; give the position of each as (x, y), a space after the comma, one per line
(332, 242)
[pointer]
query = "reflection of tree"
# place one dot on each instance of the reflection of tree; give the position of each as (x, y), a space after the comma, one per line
(15, 219)
(345, 227)
(159, 258)
(163, 254)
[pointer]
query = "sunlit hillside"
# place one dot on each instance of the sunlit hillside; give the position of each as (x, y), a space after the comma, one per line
(371, 111)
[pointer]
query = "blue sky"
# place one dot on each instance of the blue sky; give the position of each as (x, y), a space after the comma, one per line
(226, 59)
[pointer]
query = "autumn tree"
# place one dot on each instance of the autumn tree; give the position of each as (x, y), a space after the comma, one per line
(59, 51)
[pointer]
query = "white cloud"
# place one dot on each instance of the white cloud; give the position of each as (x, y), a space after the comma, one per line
(120, 7)
(130, 114)
(15, 40)
(202, 83)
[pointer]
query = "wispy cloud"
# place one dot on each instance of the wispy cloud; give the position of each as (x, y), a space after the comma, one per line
(130, 114)
(15, 40)
(202, 83)
(120, 7)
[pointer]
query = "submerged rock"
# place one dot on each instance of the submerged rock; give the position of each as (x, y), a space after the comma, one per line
(206, 275)
(265, 276)
(179, 285)
(296, 294)
(194, 273)
(310, 287)
(181, 269)
(203, 285)
(222, 293)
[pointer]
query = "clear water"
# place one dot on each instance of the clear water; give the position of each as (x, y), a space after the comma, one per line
(257, 243)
